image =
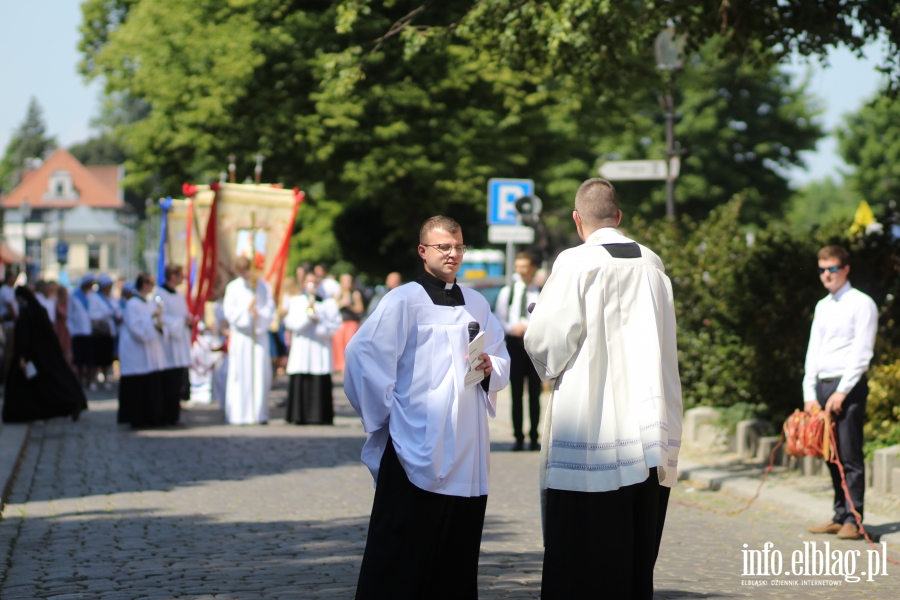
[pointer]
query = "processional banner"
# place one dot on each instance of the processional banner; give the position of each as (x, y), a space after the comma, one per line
(253, 221)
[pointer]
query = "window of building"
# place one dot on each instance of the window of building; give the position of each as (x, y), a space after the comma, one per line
(93, 256)
(111, 257)
(61, 187)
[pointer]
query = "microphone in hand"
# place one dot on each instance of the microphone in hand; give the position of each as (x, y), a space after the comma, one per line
(474, 328)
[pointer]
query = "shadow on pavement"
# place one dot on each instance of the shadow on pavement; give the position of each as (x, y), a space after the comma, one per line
(195, 556)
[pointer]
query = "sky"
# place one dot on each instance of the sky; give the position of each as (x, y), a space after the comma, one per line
(39, 57)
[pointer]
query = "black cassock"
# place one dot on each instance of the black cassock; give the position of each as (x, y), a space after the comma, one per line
(421, 544)
(54, 390)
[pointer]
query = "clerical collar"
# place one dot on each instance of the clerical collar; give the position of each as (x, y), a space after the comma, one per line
(603, 232)
(441, 292)
(168, 289)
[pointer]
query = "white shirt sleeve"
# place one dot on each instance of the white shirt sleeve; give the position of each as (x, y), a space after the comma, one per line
(811, 371)
(865, 326)
(373, 356)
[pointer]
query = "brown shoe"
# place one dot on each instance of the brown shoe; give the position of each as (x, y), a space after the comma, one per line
(849, 532)
(829, 527)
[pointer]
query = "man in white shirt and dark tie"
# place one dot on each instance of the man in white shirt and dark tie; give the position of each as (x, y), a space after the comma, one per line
(512, 312)
(840, 347)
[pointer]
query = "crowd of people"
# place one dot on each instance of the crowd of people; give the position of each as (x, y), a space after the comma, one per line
(148, 331)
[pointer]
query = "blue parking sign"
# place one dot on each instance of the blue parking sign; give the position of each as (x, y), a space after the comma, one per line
(502, 196)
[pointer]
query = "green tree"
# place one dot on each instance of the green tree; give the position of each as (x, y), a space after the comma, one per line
(99, 150)
(870, 142)
(739, 123)
(822, 201)
(410, 135)
(30, 140)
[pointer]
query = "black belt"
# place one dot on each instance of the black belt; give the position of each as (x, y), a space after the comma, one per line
(829, 379)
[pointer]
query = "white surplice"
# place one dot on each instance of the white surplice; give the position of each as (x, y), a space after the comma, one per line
(178, 333)
(140, 343)
(605, 327)
(311, 341)
(405, 377)
(249, 365)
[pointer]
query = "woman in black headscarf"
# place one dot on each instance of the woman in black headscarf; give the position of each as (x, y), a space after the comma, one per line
(40, 383)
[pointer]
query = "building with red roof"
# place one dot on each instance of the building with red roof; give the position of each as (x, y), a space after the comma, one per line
(62, 204)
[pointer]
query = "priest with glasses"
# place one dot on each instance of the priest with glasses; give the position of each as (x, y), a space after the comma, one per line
(428, 447)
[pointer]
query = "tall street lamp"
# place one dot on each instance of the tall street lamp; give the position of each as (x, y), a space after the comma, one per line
(669, 57)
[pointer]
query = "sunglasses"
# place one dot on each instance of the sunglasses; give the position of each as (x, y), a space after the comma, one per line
(829, 269)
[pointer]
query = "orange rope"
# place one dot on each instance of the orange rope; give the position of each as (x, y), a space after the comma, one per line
(731, 513)
(806, 436)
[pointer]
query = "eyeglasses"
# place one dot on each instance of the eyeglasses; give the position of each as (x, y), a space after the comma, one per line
(447, 248)
(829, 269)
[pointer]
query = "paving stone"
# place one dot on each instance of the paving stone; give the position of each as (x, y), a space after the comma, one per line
(234, 513)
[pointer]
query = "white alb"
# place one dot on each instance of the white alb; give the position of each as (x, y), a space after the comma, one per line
(604, 327)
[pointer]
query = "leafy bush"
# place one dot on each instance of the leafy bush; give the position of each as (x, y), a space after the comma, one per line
(744, 300)
(882, 426)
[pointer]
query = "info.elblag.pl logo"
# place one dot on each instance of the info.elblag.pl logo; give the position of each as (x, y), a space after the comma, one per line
(814, 560)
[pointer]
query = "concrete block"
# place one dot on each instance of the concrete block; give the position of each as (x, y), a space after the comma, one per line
(699, 423)
(895, 481)
(764, 448)
(885, 461)
(812, 465)
(748, 435)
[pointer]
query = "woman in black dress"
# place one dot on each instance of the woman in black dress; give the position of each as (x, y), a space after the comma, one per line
(40, 383)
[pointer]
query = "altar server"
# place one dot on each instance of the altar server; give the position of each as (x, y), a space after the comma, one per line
(604, 328)
(177, 345)
(312, 321)
(141, 359)
(428, 447)
(249, 310)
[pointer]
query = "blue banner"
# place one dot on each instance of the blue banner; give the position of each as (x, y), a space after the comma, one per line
(165, 205)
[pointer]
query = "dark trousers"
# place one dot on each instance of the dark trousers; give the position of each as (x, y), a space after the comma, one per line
(420, 544)
(603, 544)
(173, 393)
(849, 433)
(520, 368)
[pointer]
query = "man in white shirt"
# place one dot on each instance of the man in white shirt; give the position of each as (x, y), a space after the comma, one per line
(512, 312)
(840, 347)
(604, 328)
(428, 447)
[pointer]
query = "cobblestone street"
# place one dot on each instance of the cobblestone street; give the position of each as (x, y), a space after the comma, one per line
(207, 510)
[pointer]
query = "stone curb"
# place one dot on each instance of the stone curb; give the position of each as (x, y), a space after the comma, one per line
(13, 439)
(799, 503)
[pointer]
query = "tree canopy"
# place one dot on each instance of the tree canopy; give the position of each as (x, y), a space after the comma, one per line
(390, 111)
(30, 140)
(870, 142)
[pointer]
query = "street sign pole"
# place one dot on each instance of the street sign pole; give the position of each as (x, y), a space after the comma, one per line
(504, 221)
(670, 153)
